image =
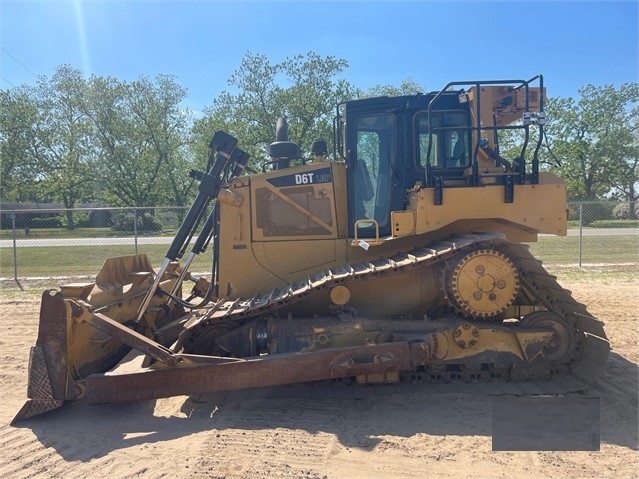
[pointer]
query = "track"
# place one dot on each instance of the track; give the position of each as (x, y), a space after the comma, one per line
(574, 373)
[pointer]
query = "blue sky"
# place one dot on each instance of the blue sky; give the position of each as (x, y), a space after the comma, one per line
(433, 42)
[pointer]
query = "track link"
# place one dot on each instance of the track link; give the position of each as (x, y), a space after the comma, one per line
(265, 303)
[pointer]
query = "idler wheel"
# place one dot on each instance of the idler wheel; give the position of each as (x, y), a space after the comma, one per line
(562, 343)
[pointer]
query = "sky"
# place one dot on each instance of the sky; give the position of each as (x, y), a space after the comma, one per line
(201, 43)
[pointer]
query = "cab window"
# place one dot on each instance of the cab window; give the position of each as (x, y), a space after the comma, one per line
(449, 141)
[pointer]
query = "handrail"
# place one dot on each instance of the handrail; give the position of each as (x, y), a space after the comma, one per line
(478, 127)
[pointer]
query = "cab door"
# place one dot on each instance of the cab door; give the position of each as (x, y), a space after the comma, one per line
(375, 176)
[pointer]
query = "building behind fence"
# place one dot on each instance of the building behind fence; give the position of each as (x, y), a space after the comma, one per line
(598, 233)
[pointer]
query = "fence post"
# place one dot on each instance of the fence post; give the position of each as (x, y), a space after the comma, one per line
(15, 250)
(135, 228)
(581, 226)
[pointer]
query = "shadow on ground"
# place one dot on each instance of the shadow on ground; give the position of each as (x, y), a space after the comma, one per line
(356, 415)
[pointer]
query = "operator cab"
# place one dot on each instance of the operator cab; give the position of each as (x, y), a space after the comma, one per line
(389, 144)
(392, 145)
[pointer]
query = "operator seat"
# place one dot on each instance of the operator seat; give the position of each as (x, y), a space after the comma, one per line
(455, 161)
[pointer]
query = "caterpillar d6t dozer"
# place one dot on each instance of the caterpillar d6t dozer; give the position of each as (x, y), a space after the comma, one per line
(402, 258)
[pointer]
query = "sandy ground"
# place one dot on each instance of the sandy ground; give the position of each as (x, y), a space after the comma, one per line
(311, 431)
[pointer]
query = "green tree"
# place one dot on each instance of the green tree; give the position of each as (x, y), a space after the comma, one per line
(49, 140)
(66, 158)
(18, 114)
(406, 87)
(593, 144)
(304, 89)
(141, 132)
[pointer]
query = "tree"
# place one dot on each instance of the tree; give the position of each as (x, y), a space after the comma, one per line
(72, 140)
(48, 140)
(406, 87)
(304, 89)
(66, 157)
(17, 116)
(593, 143)
(140, 130)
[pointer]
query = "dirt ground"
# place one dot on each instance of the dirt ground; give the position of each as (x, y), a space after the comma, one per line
(318, 431)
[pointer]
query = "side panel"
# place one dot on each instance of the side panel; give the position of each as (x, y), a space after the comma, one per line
(287, 226)
(536, 208)
(292, 259)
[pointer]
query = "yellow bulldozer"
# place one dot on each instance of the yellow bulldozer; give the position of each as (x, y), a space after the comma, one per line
(402, 258)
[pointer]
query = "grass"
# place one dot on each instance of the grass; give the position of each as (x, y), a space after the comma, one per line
(574, 224)
(594, 249)
(80, 260)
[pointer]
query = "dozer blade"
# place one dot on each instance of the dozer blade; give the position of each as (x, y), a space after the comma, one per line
(47, 386)
(40, 389)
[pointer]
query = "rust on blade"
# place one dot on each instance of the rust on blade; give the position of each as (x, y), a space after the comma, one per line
(252, 373)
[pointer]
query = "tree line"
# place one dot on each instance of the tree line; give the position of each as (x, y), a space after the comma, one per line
(75, 139)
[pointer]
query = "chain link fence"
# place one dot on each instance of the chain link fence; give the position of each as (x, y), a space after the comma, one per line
(57, 242)
(599, 233)
(52, 242)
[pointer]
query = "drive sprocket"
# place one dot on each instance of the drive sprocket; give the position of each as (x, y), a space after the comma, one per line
(481, 283)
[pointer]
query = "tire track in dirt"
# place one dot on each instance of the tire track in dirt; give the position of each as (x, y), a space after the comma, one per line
(26, 457)
(260, 438)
